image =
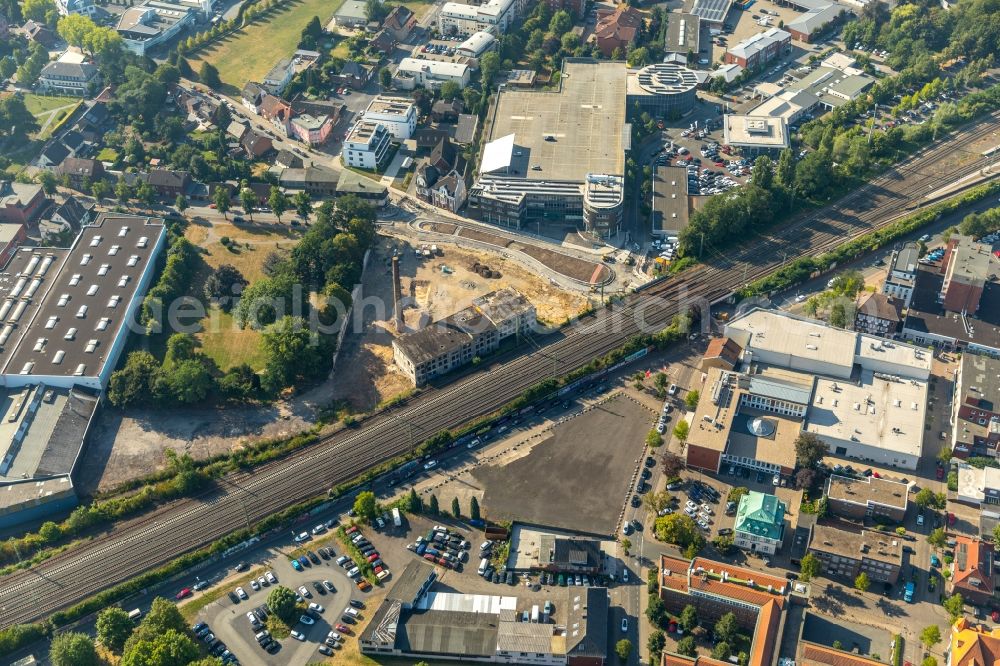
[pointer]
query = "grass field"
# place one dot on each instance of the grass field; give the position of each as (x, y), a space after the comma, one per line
(249, 54)
(48, 111)
(220, 338)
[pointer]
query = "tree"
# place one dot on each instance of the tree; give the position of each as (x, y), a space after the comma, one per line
(809, 449)
(657, 502)
(37, 10)
(785, 171)
(47, 180)
(135, 382)
(122, 190)
(660, 381)
(763, 172)
(691, 399)
(560, 23)
(809, 567)
(450, 90)
(221, 200)
(186, 382)
(954, 605)
(269, 298)
(282, 602)
(303, 204)
(209, 75)
(489, 65)
(290, 353)
(737, 493)
(623, 649)
(433, 507)
(928, 498)
(689, 618)
(113, 628)
(413, 502)
(474, 508)
(804, 478)
(638, 57)
(169, 648)
(385, 78)
(672, 463)
(678, 529)
(239, 382)
(277, 201)
(375, 10)
(681, 431)
(247, 200)
(721, 651)
(929, 661)
(930, 636)
(653, 439)
(366, 506)
(687, 647)
(938, 539)
(861, 583)
(99, 189)
(456, 509)
(626, 544)
(146, 194)
(73, 649)
(181, 203)
(838, 315)
(655, 644)
(726, 629)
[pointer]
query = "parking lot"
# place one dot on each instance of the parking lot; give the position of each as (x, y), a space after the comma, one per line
(442, 49)
(578, 475)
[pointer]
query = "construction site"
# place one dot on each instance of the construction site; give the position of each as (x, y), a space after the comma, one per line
(435, 281)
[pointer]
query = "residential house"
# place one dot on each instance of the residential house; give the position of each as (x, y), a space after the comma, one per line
(976, 407)
(973, 644)
(93, 123)
(256, 145)
(21, 203)
(400, 21)
(168, 182)
(445, 111)
(251, 95)
(722, 353)
(440, 181)
(53, 155)
(846, 553)
(69, 78)
(384, 41)
(70, 216)
(355, 75)
(364, 188)
(318, 182)
(276, 80)
(238, 129)
(972, 571)
(75, 143)
(760, 523)
(367, 145)
(38, 32)
(80, 171)
(465, 132)
(310, 129)
(82, 7)
(902, 275)
(618, 29)
(396, 114)
(288, 160)
(878, 314)
(275, 110)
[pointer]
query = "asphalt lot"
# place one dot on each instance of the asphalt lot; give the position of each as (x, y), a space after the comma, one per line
(550, 485)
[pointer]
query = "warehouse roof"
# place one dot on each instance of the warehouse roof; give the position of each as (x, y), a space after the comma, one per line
(670, 199)
(682, 32)
(449, 633)
(713, 11)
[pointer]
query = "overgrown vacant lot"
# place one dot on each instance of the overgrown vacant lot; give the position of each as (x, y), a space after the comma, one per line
(221, 340)
(247, 55)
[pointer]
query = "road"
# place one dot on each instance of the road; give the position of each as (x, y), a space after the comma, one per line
(180, 526)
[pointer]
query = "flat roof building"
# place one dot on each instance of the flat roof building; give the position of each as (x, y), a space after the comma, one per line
(712, 11)
(965, 270)
(758, 49)
(396, 114)
(683, 33)
(976, 407)
(670, 200)
(867, 497)
(493, 16)
(845, 553)
(432, 73)
(544, 150)
(756, 133)
(663, 90)
(145, 26)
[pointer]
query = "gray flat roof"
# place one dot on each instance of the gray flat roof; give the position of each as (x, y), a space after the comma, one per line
(449, 633)
(411, 581)
(868, 489)
(682, 41)
(586, 118)
(670, 198)
(713, 11)
(85, 300)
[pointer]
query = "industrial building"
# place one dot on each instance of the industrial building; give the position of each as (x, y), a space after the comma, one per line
(469, 333)
(557, 158)
(806, 26)
(670, 200)
(417, 622)
(476, 45)
(663, 90)
(713, 12)
(66, 314)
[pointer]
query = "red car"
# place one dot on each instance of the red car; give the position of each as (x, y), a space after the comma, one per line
(351, 530)
(372, 557)
(995, 616)
(939, 473)
(183, 594)
(951, 521)
(344, 629)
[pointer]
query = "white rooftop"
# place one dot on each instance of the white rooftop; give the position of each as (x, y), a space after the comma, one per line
(780, 333)
(913, 360)
(497, 154)
(882, 413)
(467, 603)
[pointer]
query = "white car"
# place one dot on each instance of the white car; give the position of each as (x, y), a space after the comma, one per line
(691, 505)
(262, 581)
(306, 620)
(316, 607)
(255, 585)
(304, 536)
(304, 592)
(430, 464)
(703, 525)
(335, 636)
(242, 594)
(624, 624)
(271, 578)
(319, 529)
(672, 390)
(297, 635)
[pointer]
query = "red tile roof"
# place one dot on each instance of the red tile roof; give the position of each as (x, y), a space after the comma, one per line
(765, 636)
(973, 566)
(676, 579)
(724, 348)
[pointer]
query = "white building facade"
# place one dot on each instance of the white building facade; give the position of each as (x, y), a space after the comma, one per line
(367, 146)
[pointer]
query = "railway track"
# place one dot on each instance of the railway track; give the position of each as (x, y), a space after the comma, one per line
(244, 498)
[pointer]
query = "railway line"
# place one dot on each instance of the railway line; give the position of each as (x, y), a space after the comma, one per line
(244, 498)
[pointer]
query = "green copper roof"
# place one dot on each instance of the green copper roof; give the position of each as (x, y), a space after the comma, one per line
(761, 515)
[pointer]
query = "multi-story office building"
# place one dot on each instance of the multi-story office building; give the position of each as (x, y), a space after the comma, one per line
(845, 553)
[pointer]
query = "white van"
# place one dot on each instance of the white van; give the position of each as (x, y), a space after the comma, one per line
(483, 564)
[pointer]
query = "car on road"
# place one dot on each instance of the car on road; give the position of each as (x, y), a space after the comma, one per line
(298, 635)
(200, 585)
(183, 594)
(302, 537)
(242, 566)
(319, 529)
(430, 464)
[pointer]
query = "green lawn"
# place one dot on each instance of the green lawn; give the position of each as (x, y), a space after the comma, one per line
(250, 53)
(227, 344)
(39, 104)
